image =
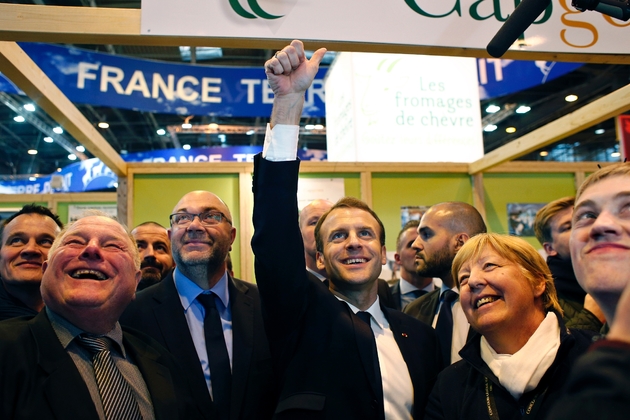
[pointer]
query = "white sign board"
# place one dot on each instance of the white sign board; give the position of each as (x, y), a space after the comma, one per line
(76, 211)
(403, 108)
(440, 23)
(309, 189)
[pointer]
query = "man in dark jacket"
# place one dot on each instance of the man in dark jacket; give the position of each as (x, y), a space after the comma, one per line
(338, 353)
(73, 360)
(552, 227)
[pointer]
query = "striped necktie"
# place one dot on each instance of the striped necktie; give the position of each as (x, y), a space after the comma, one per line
(117, 397)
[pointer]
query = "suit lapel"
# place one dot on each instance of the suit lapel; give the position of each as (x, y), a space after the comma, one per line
(242, 341)
(63, 385)
(169, 316)
(157, 378)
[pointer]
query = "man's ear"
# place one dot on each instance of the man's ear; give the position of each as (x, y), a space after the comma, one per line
(549, 249)
(397, 258)
(460, 240)
(320, 261)
(44, 266)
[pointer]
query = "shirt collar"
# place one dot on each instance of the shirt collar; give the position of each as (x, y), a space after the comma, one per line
(188, 290)
(444, 288)
(66, 331)
(374, 310)
(316, 274)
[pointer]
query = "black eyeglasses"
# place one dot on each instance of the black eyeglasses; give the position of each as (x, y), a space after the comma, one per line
(207, 218)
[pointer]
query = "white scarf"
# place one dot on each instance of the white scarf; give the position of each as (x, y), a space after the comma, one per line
(520, 372)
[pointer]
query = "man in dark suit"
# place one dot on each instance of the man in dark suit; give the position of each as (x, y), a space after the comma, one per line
(411, 285)
(49, 373)
(174, 313)
(443, 229)
(339, 355)
(25, 238)
(155, 253)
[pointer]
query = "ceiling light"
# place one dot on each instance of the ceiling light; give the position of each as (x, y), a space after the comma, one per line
(48, 139)
(309, 126)
(319, 127)
(491, 109)
(615, 154)
(103, 124)
(72, 156)
(29, 107)
(222, 137)
(490, 128)
(115, 184)
(213, 126)
(58, 169)
(32, 152)
(250, 132)
(571, 98)
(186, 126)
(19, 118)
(600, 131)
(58, 130)
(80, 148)
(32, 178)
(161, 131)
(123, 151)
(544, 153)
(523, 109)
(186, 147)
(510, 130)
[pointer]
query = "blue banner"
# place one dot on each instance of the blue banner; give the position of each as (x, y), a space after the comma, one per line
(500, 77)
(93, 175)
(89, 77)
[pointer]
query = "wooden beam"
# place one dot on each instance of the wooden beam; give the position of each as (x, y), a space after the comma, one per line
(18, 66)
(104, 25)
(597, 111)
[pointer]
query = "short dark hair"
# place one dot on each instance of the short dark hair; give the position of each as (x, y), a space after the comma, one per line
(412, 224)
(542, 222)
(352, 203)
(31, 209)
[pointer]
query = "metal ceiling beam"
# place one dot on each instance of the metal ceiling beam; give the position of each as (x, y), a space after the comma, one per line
(36, 122)
(609, 106)
(20, 68)
(104, 25)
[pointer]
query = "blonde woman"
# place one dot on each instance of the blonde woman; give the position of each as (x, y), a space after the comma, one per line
(519, 358)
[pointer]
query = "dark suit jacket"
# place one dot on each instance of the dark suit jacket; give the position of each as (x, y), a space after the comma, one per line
(39, 380)
(157, 311)
(424, 307)
(317, 351)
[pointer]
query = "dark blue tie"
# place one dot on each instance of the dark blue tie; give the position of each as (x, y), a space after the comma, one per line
(366, 317)
(218, 358)
(444, 326)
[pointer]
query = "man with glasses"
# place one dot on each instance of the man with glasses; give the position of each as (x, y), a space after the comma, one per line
(209, 320)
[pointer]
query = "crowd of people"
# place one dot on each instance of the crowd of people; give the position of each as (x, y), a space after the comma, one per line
(99, 322)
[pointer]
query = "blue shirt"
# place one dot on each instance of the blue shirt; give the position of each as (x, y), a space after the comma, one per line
(195, 313)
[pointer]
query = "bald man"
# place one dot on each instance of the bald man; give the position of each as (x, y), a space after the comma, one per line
(309, 216)
(210, 321)
(443, 229)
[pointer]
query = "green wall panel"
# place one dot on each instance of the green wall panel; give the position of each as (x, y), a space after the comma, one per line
(155, 196)
(390, 192)
(502, 189)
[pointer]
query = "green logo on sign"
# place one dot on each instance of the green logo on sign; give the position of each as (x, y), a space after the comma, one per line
(253, 4)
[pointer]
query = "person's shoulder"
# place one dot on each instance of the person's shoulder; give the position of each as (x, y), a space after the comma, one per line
(13, 328)
(415, 307)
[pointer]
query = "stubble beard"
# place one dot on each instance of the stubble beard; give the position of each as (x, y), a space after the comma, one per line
(438, 266)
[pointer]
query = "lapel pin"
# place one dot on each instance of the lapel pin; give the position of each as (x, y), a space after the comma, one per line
(404, 335)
